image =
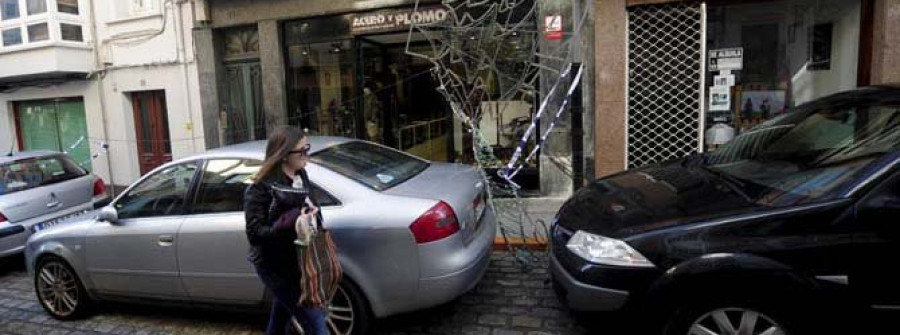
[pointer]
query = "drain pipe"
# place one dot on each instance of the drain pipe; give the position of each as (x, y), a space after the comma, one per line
(182, 53)
(100, 67)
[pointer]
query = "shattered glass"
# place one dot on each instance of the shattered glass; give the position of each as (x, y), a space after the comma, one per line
(488, 54)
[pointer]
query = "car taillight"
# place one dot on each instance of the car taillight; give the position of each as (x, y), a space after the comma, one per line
(99, 187)
(3, 218)
(437, 223)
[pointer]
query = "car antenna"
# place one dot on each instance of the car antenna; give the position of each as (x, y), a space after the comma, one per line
(12, 146)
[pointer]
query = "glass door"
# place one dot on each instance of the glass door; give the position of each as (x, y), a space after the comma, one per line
(56, 125)
(322, 88)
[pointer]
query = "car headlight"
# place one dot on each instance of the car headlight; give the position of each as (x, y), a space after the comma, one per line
(604, 250)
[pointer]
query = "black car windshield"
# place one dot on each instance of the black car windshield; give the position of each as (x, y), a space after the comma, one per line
(809, 155)
(372, 165)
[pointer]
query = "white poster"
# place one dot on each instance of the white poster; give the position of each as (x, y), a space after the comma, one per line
(723, 80)
(719, 98)
(726, 59)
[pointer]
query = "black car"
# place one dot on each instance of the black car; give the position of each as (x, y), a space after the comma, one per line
(786, 221)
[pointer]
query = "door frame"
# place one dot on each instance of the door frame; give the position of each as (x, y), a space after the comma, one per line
(155, 97)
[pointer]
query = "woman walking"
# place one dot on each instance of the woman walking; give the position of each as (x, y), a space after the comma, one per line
(277, 206)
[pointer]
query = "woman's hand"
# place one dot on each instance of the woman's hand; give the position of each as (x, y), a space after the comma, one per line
(305, 222)
(309, 213)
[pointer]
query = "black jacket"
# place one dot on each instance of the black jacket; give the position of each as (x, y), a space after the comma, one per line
(271, 249)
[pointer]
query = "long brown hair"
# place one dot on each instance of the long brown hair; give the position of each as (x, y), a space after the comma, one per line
(280, 143)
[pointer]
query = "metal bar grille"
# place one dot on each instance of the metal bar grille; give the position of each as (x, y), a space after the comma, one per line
(665, 67)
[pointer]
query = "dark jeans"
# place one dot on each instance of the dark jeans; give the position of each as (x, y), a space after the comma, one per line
(284, 306)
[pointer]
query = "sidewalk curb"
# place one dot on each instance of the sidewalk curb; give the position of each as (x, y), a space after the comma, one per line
(500, 244)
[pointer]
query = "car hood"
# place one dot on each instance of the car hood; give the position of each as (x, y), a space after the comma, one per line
(651, 198)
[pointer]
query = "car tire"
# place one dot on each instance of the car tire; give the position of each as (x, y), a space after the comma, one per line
(716, 313)
(59, 290)
(349, 312)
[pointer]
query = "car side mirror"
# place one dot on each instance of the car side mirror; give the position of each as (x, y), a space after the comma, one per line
(108, 214)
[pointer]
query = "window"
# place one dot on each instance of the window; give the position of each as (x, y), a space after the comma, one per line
(222, 186)
(30, 173)
(223, 183)
(374, 166)
(71, 32)
(9, 9)
(161, 194)
(38, 32)
(780, 54)
(810, 154)
(67, 6)
(821, 47)
(12, 37)
(36, 6)
(323, 198)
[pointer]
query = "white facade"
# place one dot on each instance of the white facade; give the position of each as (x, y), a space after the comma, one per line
(133, 46)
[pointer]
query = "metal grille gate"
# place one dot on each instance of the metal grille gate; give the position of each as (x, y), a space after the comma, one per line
(665, 72)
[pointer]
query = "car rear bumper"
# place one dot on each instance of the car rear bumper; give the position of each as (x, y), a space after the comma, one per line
(449, 268)
(584, 297)
(12, 239)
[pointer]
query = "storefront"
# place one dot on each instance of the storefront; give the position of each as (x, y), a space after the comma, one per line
(698, 74)
(765, 58)
(351, 74)
(56, 125)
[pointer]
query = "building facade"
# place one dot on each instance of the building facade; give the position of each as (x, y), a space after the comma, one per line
(114, 84)
(675, 77)
(343, 68)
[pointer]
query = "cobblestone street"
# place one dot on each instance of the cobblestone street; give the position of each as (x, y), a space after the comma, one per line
(506, 302)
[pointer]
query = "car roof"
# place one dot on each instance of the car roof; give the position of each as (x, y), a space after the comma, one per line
(257, 149)
(26, 155)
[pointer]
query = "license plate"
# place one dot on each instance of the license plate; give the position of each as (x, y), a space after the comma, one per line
(44, 225)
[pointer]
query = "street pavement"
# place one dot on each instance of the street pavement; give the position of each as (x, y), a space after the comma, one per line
(508, 301)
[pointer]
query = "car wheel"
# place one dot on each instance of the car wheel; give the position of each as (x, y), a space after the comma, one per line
(734, 313)
(59, 290)
(348, 312)
(733, 320)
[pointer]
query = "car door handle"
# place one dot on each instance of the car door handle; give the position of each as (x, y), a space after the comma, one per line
(166, 240)
(53, 204)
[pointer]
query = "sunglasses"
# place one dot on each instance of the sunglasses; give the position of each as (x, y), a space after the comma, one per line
(302, 152)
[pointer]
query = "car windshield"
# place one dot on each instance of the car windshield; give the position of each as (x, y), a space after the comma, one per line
(808, 155)
(29, 173)
(372, 165)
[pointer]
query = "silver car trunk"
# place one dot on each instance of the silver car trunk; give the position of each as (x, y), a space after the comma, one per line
(26, 204)
(460, 186)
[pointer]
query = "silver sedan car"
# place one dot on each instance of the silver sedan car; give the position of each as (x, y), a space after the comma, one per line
(411, 234)
(39, 188)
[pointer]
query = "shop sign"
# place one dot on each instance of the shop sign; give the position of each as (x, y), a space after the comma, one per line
(726, 59)
(553, 29)
(396, 20)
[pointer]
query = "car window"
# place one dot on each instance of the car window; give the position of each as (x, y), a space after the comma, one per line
(29, 173)
(811, 155)
(372, 165)
(161, 194)
(323, 198)
(222, 186)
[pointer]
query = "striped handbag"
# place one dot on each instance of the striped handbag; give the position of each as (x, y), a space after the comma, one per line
(320, 270)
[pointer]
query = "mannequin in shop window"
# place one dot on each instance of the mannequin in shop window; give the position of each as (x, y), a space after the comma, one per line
(747, 113)
(372, 111)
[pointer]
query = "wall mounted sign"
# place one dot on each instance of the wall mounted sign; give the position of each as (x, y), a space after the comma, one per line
(395, 20)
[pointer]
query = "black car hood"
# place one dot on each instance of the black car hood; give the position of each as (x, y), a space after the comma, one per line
(651, 198)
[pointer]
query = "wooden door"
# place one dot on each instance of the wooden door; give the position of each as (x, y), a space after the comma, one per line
(152, 128)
